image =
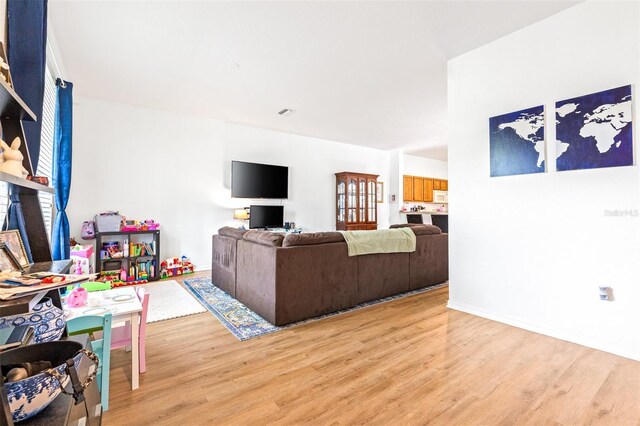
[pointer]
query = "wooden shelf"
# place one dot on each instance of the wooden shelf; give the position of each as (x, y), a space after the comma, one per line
(23, 186)
(24, 304)
(11, 106)
(131, 260)
(127, 232)
(127, 257)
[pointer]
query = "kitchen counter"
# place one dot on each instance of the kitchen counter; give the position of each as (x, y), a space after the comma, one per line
(427, 212)
(439, 219)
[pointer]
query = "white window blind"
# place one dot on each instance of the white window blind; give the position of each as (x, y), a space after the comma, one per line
(45, 163)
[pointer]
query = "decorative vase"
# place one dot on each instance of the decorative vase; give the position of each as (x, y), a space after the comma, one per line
(46, 319)
(29, 396)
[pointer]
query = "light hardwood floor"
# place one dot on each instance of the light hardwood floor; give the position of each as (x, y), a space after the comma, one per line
(410, 361)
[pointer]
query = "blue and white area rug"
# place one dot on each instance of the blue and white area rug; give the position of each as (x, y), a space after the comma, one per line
(246, 324)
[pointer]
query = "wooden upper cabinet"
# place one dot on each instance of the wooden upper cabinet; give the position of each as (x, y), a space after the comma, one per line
(415, 188)
(407, 188)
(418, 188)
(428, 190)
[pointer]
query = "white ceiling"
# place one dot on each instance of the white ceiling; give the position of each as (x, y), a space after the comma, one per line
(366, 73)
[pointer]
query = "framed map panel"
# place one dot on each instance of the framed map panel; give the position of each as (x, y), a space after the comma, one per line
(594, 131)
(517, 143)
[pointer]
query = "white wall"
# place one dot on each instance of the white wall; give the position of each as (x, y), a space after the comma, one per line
(176, 169)
(531, 250)
(425, 167)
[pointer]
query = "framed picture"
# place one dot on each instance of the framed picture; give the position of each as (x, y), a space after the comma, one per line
(13, 241)
(516, 142)
(8, 260)
(595, 130)
(380, 192)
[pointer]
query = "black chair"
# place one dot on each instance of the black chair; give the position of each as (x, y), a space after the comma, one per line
(415, 218)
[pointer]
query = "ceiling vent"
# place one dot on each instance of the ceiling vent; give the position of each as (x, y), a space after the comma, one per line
(286, 112)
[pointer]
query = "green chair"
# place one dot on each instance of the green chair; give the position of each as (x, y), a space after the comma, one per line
(92, 286)
(101, 347)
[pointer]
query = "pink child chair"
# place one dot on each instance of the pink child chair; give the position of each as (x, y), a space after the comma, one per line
(121, 336)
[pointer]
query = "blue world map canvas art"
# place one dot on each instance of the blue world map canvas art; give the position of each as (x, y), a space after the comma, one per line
(516, 142)
(594, 131)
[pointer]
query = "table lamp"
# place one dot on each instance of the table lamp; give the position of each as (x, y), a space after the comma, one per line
(241, 214)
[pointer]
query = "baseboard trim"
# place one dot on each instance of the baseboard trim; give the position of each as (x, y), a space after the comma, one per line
(591, 342)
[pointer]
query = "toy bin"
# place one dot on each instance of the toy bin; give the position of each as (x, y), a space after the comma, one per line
(82, 256)
(108, 222)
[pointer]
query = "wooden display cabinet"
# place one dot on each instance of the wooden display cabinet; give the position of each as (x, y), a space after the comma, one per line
(356, 206)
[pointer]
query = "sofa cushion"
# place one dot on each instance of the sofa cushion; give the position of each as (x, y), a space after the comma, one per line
(312, 238)
(265, 238)
(419, 229)
(228, 231)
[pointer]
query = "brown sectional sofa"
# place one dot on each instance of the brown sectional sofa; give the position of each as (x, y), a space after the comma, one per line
(299, 276)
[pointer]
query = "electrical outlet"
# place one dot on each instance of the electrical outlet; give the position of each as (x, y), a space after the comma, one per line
(606, 293)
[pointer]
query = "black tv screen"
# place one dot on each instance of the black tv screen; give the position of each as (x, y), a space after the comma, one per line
(251, 180)
(266, 217)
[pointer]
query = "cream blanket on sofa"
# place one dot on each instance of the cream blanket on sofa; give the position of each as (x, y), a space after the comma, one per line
(400, 240)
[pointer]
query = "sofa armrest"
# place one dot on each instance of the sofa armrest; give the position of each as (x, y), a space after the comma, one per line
(429, 264)
(256, 278)
(224, 263)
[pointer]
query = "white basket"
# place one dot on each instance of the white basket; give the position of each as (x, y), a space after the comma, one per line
(108, 222)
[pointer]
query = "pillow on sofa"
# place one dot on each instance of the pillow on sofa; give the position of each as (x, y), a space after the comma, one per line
(312, 238)
(419, 229)
(265, 238)
(228, 231)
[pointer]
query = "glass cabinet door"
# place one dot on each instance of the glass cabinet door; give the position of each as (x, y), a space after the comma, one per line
(362, 201)
(341, 199)
(352, 200)
(372, 196)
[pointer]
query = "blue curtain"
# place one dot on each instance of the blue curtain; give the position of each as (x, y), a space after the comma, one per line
(62, 167)
(26, 51)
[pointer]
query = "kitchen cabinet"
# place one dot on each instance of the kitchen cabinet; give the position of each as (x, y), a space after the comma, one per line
(428, 190)
(407, 188)
(418, 188)
(356, 206)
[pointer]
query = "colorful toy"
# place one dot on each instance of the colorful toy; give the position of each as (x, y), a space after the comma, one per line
(132, 225)
(150, 225)
(77, 297)
(81, 256)
(124, 284)
(53, 279)
(175, 266)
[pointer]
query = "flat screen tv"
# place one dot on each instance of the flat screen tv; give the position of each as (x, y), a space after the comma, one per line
(251, 180)
(266, 217)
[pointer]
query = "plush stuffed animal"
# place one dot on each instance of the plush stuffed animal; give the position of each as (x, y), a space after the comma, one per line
(13, 159)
